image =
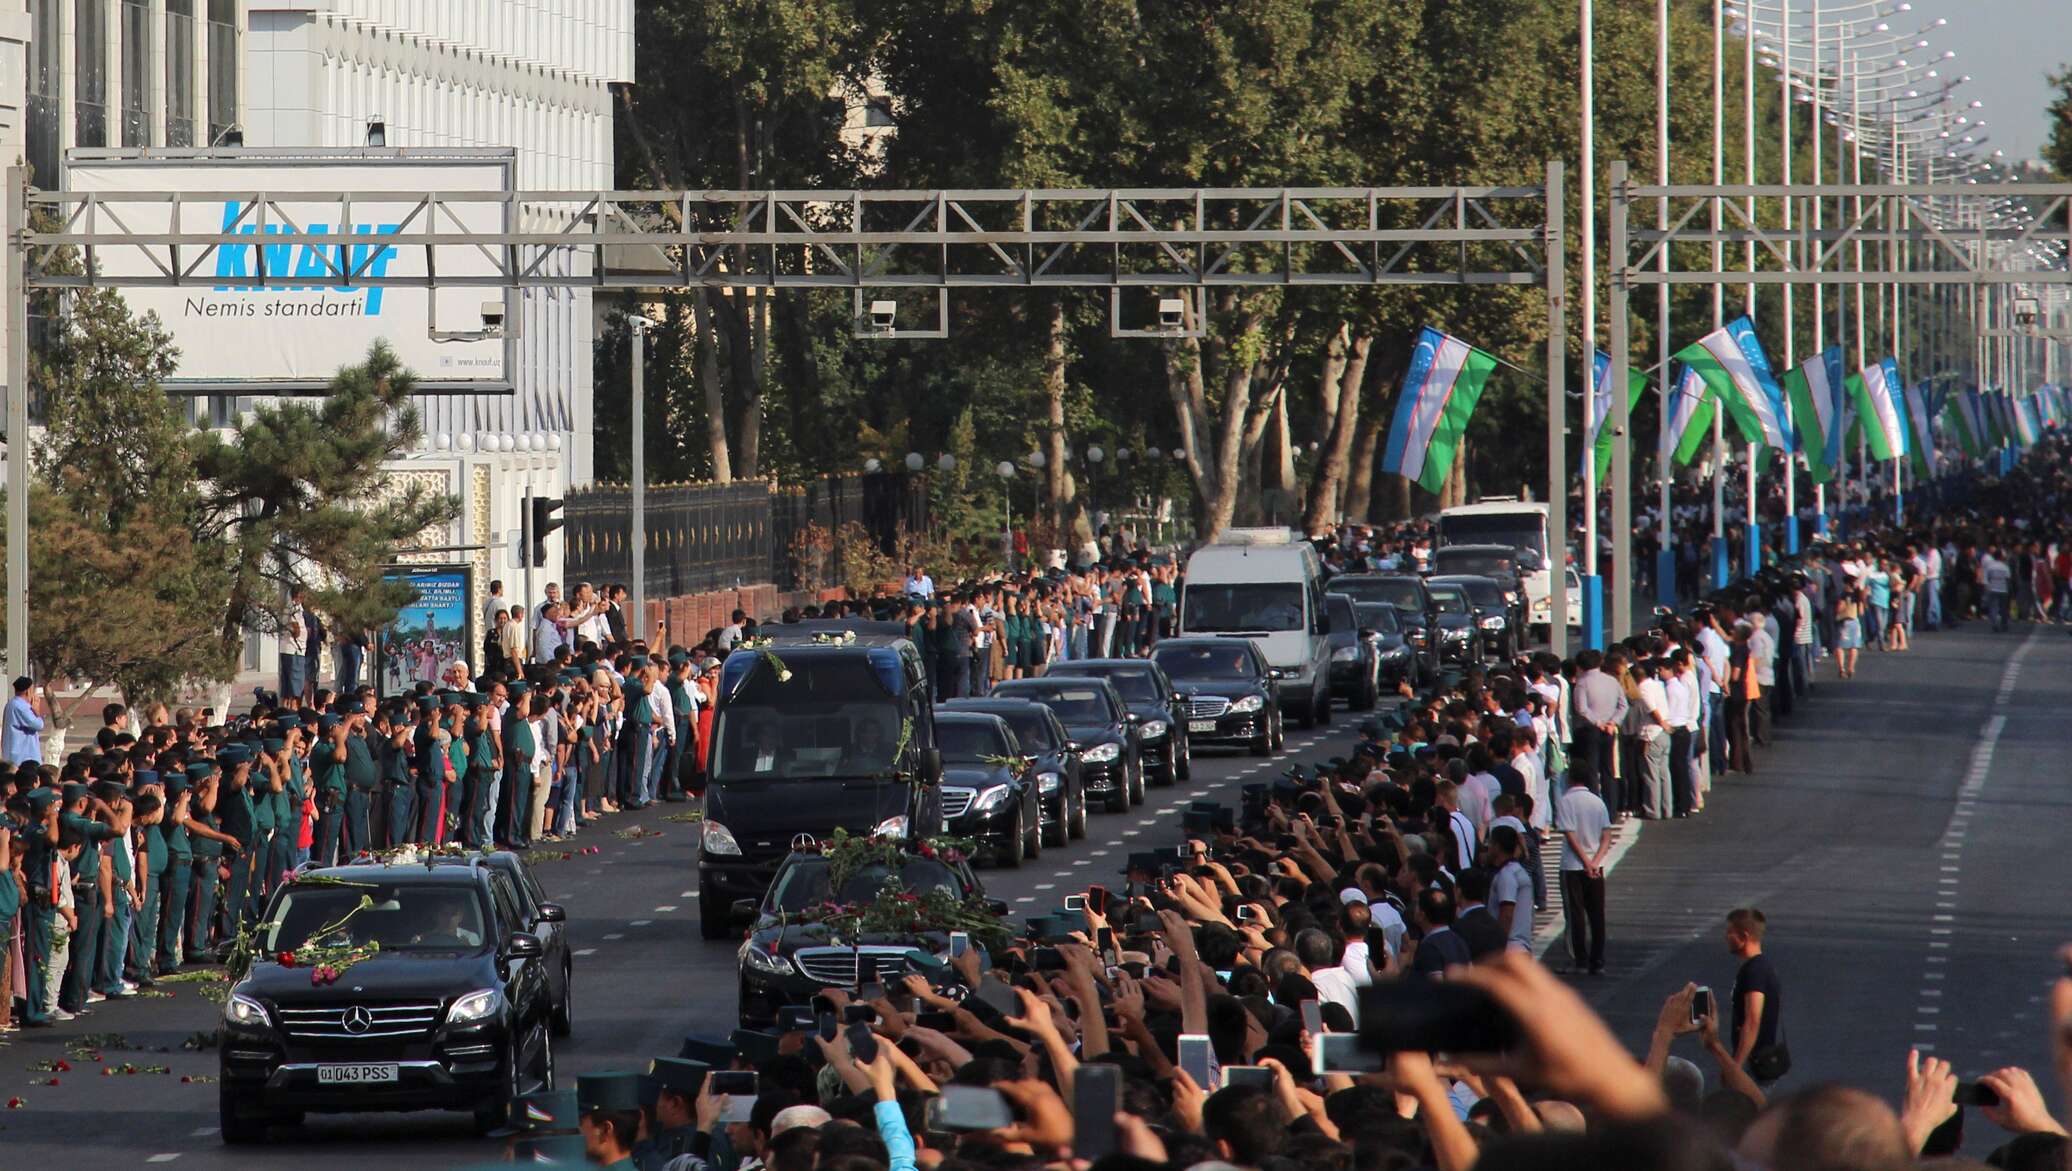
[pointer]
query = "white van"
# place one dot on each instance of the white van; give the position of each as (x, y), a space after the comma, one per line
(1520, 524)
(1267, 585)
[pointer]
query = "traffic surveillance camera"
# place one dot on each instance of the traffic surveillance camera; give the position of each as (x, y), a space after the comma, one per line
(492, 317)
(641, 324)
(1172, 313)
(882, 314)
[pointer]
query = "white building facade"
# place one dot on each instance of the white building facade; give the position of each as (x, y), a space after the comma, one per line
(534, 76)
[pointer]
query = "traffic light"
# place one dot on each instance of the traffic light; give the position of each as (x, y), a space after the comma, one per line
(543, 522)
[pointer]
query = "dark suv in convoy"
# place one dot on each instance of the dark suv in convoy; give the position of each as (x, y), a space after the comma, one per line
(1355, 654)
(1110, 746)
(1416, 612)
(1153, 707)
(1229, 690)
(547, 920)
(788, 957)
(1053, 759)
(453, 1012)
(985, 797)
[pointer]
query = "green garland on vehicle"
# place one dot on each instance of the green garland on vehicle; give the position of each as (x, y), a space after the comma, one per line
(894, 910)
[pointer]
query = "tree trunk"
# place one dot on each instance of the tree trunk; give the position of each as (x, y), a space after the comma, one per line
(715, 394)
(748, 424)
(1328, 476)
(1358, 504)
(1330, 382)
(1060, 494)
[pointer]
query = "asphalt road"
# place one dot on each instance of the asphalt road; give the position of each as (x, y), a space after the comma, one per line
(1879, 811)
(643, 980)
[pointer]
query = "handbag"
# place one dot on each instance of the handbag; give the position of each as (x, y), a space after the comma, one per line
(1771, 1062)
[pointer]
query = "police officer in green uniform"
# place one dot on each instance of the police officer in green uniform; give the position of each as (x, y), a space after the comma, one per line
(610, 1105)
(392, 740)
(82, 814)
(236, 815)
(151, 818)
(206, 842)
(115, 934)
(680, 746)
(39, 917)
(673, 1114)
(288, 799)
(327, 766)
(179, 871)
(362, 777)
(514, 813)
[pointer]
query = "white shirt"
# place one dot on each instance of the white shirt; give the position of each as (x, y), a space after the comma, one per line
(663, 710)
(546, 639)
(1513, 884)
(729, 636)
(1336, 986)
(1464, 840)
(1476, 792)
(1356, 960)
(1582, 813)
(1655, 697)
(1714, 649)
(1682, 693)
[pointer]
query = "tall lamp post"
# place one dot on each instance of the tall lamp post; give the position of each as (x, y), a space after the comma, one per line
(1005, 470)
(637, 334)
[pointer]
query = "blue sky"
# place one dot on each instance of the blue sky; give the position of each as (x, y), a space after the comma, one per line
(2007, 46)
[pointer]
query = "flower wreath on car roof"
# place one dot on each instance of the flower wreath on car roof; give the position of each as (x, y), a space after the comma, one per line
(894, 910)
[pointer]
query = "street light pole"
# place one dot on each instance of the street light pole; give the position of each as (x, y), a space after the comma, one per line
(636, 623)
(1665, 548)
(1789, 454)
(1719, 291)
(1586, 178)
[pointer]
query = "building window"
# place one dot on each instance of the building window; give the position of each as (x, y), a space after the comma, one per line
(45, 99)
(90, 67)
(179, 72)
(136, 72)
(222, 67)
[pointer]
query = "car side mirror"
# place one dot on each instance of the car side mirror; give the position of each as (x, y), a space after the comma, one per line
(524, 945)
(744, 908)
(1179, 698)
(553, 913)
(997, 906)
(1074, 746)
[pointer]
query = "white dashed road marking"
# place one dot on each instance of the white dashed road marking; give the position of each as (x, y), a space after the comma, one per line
(664, 910)
(612, 936)
(586, 951)
(641, 923)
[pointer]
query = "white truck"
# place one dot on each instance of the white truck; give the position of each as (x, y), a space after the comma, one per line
(1521, 525)
(1267, 585)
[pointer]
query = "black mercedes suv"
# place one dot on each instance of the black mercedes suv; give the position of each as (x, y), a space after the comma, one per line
(452, 1012)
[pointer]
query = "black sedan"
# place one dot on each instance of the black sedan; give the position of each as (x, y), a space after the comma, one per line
(988, 787)
(1229, 690)
(1060, 780)
(1110, 746)
(1459, 638)
(1162, 727)
(1399, 662)
(1355, 662)
(1415, 610)
(1492, 609)
(789, 956)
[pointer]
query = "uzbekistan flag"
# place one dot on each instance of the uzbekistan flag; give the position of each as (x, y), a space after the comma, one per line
(1920, 437)
(1439, 393)
(1733, 365)
(2024, 411)
(1815, 390)
(1601, 406)
(1884, 426)
(1690, 418)
(1957, 410)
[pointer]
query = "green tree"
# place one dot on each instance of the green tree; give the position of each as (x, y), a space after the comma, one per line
(2057, 151)
(300, 496)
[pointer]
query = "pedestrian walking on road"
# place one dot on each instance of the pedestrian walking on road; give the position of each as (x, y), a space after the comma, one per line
(1758, 1000)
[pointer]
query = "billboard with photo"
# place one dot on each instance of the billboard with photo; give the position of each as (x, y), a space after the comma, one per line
(291, 313)
(430, 632)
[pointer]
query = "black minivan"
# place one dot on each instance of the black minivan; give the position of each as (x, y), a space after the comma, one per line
(827, 725)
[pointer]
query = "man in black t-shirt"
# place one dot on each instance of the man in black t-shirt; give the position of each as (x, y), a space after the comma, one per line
(1758, 994)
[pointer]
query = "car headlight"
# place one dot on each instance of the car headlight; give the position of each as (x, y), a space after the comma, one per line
(1248, 703)
(1510, 595)
(990, 798)
(243, 1010)
(1049, 782)
(1396, 652)
(1153, 729)
(892, 827)
(1415, 634)
(1103, 753)
(1456, 634)
(475, 1006)
(1493, 622)
(720, 840)
(766, 962)
(1279, 673)
(1350, 654)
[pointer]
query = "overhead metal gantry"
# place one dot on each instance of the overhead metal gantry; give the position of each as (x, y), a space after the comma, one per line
(1902, 235)
(1132, 242)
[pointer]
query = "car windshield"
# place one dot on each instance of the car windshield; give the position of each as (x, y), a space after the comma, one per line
(1031, 729)
(804, 883)
(1074, 705)
(1483, 592)
(1136, 684)
(1449, 599)
(1520, 530)
(1398, 592)
(1249, 606)
(831, 718)
(400, 917)
(1204, 661)
(1379, 617)
(972, 740)
(1451, 561)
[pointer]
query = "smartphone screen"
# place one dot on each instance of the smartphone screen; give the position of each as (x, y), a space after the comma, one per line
(1976, 1094)
(960, 942)
(1341, 1053)
(863, 1043)
(1197, 1059)
(828, 1024)
(969, 1108)
(734, 1081)
(1433, 1017)
(1104, 942)
(1098, 899)
(1248, 1075)
(1075, 902)
(1048, 959)
(1096, 1099)
(1701, 1005)
(1312, 1018)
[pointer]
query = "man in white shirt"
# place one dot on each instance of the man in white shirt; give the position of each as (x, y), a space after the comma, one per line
(1712, 646)
(1762, 653)
(1465, 840)
(1478, 788)
(730, 635)
(1681, 687)
(919, 584)
(547, 636)
(1581, 818)
(1656, 799)
(1510, 889)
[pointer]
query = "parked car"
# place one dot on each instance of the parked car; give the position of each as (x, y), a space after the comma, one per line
(1060, 781)
(453, 1012)
(1397, 660)
(1415, 610)
(1152, 706)
(1110, 746)
(983, 798)
(787, 960)
(1232, 696)
(1459, 637)
(1493, 613)
(1355, 660)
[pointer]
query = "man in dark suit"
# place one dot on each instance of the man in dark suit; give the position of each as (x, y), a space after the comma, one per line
(1442, 946)
(1476, 923)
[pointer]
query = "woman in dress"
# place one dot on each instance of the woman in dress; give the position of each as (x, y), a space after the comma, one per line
(1848, 632)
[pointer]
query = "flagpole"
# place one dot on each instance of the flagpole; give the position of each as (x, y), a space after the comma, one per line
(1621, 416)
(1719, 290)
(1752, 558)
(1819, 300)
(1789, 460)
(1856, 162)
(1665, 544)
(1593, 596)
